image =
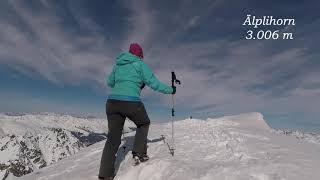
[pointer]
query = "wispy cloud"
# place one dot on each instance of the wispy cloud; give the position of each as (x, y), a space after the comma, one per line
(203, 42)
(42, 45)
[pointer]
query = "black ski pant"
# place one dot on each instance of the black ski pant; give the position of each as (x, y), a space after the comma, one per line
(117, 111)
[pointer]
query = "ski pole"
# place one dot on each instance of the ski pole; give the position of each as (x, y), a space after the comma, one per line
(174, 81)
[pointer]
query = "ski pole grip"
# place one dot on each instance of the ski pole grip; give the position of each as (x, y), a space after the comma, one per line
(174, 79)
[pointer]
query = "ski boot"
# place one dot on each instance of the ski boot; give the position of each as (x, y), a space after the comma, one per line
(139, 158)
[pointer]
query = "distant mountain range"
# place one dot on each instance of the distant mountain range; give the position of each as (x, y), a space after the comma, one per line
(303, 136)
(88, 116)
(33, 141)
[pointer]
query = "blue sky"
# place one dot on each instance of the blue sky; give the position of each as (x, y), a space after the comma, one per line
(54, 56)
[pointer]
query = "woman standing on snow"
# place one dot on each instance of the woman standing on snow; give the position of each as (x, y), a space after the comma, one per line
(128, 77)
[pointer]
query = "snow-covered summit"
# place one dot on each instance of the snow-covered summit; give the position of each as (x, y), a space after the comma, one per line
(231, 147)
(252, 120)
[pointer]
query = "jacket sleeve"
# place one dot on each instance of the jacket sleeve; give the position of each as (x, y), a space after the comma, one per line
(111, 78)
(150, 80)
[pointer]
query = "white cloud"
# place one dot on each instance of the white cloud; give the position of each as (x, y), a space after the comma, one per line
(219, 74)
(140, 23)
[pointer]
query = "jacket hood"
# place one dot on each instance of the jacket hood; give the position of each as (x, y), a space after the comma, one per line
(126, 58)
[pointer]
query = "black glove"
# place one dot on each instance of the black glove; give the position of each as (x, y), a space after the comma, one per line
(174, 90)
(142, 86)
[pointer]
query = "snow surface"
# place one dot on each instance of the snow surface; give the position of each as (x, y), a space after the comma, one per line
(239, 147)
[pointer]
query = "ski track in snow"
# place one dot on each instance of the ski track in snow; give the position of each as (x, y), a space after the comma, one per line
(233, 148)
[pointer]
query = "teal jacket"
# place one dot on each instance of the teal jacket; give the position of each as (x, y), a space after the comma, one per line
(128, 75)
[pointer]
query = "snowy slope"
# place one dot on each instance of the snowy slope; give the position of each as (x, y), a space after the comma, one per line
(234, 147)
(32, 141)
